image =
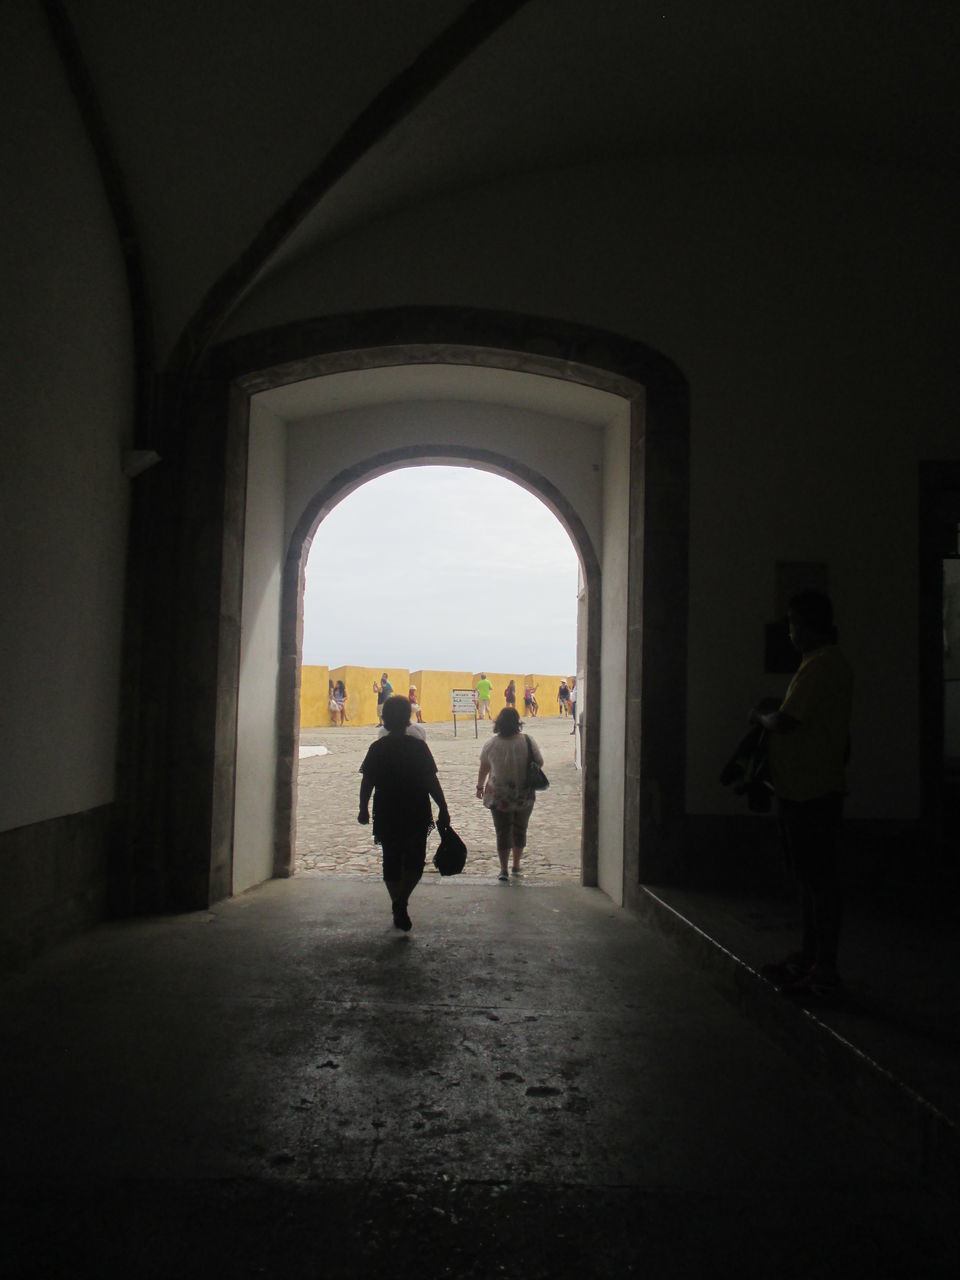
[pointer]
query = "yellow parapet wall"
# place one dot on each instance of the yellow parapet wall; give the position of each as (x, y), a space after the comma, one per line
(314, 697)
(359, 681)
(433, 692)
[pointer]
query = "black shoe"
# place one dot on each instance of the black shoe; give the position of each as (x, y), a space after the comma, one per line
(787, 971)
(818, 986)
(401, 919)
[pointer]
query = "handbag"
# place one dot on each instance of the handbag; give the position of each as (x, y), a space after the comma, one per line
(451, 854)
(536, 779)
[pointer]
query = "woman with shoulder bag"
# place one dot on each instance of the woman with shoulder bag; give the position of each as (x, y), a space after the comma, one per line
(504, 787)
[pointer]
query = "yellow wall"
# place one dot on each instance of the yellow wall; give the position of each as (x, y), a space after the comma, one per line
(361, 700)
(433, 689)
(314, 697)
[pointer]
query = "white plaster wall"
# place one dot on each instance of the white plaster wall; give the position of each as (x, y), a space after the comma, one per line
(613, 658)
(67, 405)
(812, 308)
(582, 691)
(263, 556)
(567, 453)
(589, 464)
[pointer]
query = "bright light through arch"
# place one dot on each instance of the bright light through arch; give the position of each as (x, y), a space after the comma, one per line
(441, 568)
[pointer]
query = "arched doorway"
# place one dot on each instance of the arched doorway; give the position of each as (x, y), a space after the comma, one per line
(433, 574)
(639, 536)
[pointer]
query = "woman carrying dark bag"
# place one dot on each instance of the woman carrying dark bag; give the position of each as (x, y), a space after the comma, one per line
(400, 773)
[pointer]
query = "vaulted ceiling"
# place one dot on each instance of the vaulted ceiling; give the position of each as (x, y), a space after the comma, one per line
(246, 135)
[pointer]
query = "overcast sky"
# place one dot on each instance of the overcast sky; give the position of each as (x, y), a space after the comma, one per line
(442, 568)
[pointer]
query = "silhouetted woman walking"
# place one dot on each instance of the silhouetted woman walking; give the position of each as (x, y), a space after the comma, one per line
(400, 772)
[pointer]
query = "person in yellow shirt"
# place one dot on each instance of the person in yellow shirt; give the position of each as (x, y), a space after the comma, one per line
(808, 745)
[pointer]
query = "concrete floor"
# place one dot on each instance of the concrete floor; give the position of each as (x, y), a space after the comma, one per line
(900, 960)
(531, 1083)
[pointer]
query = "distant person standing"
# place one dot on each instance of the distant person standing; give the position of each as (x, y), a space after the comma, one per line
(530, 704)
(383, 689)
(484, 690)
(400, 773)
(573, 704)
(809, 736)
(502, 786)
(563, 699)
(340, 700)
(510, 694)
(415, 704)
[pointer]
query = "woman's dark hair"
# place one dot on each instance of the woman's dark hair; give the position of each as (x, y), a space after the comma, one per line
(396, 713)
(341, 687)
(507, 722)
(815, 609)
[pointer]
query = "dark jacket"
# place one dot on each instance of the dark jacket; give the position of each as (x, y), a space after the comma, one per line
(748, 771)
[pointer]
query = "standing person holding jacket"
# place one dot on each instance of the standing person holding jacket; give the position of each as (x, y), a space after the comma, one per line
(400, 773)
(502, 786)
(809, 736)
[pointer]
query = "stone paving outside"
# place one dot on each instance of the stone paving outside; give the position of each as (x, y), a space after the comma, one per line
(330, 841)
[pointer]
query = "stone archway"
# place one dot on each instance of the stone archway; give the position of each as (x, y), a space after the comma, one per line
(291, 627)
(207, 569)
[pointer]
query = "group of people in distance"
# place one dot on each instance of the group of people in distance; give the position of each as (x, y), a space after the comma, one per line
(384, 690)
(400, 774)
(337, 700)
(566, 697)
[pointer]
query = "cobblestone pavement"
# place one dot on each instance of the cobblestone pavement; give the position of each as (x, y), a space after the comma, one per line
(331, 841)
